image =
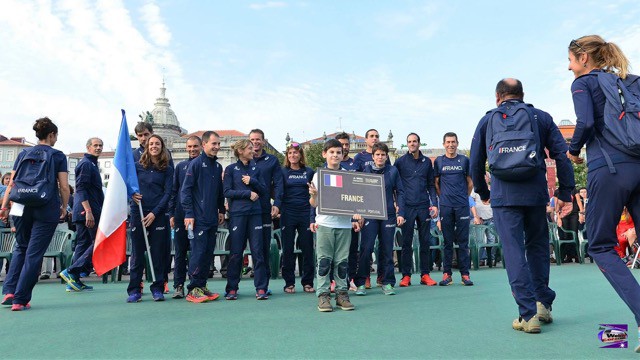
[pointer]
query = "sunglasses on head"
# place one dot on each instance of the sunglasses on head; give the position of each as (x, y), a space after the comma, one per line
(294, 145)
(575, 43)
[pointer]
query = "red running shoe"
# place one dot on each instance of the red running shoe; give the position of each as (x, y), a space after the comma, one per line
(406, 281)
(367, 283)
(8, 299)
(427, 280)
(20, 307)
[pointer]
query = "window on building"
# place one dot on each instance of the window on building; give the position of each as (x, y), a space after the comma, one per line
(0, 155)
(10, 155)
(107, 164)
(106, 177)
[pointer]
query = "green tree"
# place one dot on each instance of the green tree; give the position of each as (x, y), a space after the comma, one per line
(580, 173)
(278, 155)
(313, 156)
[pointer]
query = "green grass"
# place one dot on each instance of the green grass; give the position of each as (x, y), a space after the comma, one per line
(452, 322)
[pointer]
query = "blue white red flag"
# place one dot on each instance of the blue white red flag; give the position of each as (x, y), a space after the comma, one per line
(110, 246)
(333, 180)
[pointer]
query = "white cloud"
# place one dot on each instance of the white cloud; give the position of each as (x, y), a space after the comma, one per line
(267, 5)
(78, 62)
(158, 31)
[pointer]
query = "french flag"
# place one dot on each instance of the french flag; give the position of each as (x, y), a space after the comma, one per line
(109, 250)
(333, 180)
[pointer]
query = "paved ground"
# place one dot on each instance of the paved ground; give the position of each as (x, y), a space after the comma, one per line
(452, 322)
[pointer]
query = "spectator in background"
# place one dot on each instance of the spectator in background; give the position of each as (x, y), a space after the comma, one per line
(484, 216)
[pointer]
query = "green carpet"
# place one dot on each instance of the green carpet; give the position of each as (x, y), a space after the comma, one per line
(452, 322)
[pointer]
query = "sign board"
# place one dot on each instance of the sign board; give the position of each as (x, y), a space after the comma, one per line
(349, 193)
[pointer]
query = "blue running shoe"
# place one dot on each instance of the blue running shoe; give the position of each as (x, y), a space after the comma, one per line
(466, 281)
(84, 286)
(71, 280)
(68, 288)
(231, 295)
(135, 297)
(361, 290)
(158, 295)
(446, 280)
(262, 295)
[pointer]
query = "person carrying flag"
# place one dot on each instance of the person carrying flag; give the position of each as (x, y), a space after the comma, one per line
(155, 176)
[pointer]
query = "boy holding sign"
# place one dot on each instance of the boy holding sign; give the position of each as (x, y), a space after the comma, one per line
(333, 239)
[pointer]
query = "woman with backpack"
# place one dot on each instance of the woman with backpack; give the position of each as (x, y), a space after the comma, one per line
(155, 176)
(613, 179)
(45, 203)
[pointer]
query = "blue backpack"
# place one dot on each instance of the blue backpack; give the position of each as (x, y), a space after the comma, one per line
(512, 141)
(621, 114)
(34, 182)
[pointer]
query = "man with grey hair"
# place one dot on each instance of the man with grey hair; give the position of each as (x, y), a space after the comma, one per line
(87, 206)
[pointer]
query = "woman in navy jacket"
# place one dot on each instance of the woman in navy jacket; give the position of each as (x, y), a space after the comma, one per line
(155, 176)
(384, 230)
(242, 188)
(295, 219)
(36, 225)
(613, 179)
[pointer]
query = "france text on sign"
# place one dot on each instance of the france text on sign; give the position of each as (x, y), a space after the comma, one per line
(349, 193)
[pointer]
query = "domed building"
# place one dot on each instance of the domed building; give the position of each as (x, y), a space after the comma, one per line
(164, 120)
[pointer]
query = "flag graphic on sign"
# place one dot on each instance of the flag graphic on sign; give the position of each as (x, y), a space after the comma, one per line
(333, 180)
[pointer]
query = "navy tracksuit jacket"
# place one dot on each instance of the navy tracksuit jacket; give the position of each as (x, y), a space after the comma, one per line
(202, 200)
(420, 193)
(245, 221)
(180, 240)
(155, 188)
(454, 209)
(519, 212)
(271, 177)
(88, 188)
(608, 192)
(384, 230)
(295, 219)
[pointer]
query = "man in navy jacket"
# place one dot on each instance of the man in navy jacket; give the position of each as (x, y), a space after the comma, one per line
(416, 172)
(176, 217)
(203, 204)
(87, 207)
(272, 179)
(519, 210)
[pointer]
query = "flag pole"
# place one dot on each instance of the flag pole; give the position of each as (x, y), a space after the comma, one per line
(633, 264)
(146, 242)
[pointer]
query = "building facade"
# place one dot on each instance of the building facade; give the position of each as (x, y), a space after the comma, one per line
(9, 150)
(357, 143)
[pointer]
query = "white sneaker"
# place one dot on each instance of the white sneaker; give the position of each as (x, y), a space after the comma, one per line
(544, 313)
(352, 286)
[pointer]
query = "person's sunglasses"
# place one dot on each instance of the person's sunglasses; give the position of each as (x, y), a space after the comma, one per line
(575, 43)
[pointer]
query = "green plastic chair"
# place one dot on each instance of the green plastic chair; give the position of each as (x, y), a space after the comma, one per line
(476, 244)
(221, 243)
(60, 247)
(584, 243)
(397, 244)
(437, 233)
(557, 242)
(275, 253)
(7, 243)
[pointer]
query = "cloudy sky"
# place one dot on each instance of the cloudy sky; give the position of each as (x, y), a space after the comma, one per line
(301, 67)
